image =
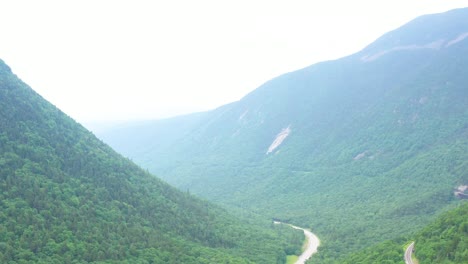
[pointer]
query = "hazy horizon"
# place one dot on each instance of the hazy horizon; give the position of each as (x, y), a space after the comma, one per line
(113, 61)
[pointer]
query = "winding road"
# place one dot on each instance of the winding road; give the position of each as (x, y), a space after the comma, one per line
(408, 254)
(311, 245)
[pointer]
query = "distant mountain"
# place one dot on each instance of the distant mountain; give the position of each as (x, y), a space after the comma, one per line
(66, 197)
(361, 149)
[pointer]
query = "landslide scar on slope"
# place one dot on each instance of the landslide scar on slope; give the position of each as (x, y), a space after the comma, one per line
(279, 139)
(457, 39)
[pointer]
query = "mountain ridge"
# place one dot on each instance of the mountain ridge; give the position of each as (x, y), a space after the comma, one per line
(380, 143)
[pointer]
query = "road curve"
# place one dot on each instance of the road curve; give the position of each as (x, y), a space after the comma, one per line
(409, 253)
(311, 247)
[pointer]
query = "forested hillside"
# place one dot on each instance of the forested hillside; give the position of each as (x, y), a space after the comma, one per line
(446, 240)
(361, 149)
(66, 197)
(388, 252)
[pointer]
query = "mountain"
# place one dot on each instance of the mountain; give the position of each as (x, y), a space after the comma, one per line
(66, 197)
(361, 149)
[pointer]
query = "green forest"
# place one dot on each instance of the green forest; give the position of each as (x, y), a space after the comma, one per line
(387, 252)
(66, 197)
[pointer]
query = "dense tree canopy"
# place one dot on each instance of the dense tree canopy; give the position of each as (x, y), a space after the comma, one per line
(66, 197)
(446, 240)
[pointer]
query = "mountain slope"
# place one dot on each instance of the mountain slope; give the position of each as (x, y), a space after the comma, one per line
(67, 197)
(361, 149)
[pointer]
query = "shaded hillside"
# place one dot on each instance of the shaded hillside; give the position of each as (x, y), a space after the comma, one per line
(66, 197)
(361, 149)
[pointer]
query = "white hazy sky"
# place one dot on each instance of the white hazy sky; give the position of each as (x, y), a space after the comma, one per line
(119, 60)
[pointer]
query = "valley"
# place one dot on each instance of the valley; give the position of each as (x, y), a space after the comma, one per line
(363, 149)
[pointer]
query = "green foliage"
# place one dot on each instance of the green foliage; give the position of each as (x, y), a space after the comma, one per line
(66, 197)
(387, 252)
(446, 240)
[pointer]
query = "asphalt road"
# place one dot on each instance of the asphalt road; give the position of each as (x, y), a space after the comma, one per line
(312, 244)
(408, 253)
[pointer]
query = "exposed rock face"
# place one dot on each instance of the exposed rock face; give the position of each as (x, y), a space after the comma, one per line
(460, 192)
(279, 139)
